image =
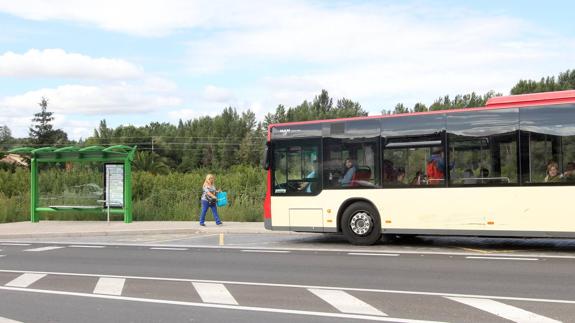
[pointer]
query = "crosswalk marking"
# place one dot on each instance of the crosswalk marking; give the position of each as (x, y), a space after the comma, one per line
(44, 249)
(214, 293)
(345, 302)
(86, 246)
(109, 286)
(505, 311)
(25, 280)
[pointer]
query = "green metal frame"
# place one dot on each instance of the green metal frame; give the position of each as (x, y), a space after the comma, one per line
(118, 153)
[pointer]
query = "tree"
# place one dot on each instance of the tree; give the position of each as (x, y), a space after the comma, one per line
(147, 161)
(565, 81)
(41, 131)
(419, 107)
(5, 134)
(400, 108)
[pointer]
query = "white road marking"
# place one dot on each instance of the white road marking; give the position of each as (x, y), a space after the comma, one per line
(373, 254)
(503, 258)
(25, 280)
(244, 283)
(505, 311)
(175, 249)
(345, 302)
(86, 246)
(44, 248)
(2, 256)
(14, 244)
(214, 293)
(109, 286)
(7, 320)
(224, 306)
(265, 251)
(234, 247)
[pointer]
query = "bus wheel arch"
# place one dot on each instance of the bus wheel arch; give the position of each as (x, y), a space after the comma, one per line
(359, 221)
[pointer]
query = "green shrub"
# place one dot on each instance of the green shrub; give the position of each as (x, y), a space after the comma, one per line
(171, 197)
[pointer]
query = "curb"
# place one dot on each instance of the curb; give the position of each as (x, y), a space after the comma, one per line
(191, 231)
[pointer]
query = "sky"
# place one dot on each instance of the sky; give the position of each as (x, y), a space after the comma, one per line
(132, 62)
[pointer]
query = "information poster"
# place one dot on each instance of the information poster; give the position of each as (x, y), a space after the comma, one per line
(114, 179)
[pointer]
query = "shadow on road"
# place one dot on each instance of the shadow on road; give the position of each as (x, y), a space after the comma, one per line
(481, 243)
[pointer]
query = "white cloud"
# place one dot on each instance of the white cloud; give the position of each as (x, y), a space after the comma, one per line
(150, 18)
(59, 63)
(213, 93)
(72, 104)
(118, 98)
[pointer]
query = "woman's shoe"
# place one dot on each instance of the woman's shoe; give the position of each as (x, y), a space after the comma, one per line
(219, 223)
(202, 224)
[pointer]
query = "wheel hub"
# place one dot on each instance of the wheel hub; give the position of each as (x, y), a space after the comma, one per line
(361, 223)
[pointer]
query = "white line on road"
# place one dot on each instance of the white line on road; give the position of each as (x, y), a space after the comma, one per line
(214, 293)
(109, 286)
(14, 244)
(345, 302)
(86, 246)
(246, 283)
(6, 320)
(2, 256)
(505, 311)
(224, 306)
(503, 258)
(44, 249)
(25, 280)
(265, 251)
(373, 254)
(236, 247)
(174, 249)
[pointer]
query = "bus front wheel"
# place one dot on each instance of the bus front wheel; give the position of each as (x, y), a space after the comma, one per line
(360, 224)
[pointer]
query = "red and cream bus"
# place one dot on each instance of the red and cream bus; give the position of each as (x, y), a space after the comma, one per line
(506, 169)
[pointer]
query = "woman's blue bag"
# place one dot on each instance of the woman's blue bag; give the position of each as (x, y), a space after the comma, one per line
(222, 198)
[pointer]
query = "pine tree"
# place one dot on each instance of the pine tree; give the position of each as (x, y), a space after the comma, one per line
(41, 132)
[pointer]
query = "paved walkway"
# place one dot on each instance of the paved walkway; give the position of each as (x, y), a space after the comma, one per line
(97, 228)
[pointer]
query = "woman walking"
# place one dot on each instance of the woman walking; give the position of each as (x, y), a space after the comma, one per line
(209, 200)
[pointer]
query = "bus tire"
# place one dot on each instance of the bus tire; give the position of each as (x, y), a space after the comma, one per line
(360, 224)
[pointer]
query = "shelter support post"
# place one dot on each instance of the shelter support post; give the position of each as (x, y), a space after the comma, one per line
(34, 217)
(127, 191)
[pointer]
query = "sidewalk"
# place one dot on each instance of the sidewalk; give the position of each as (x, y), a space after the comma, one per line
(99, 228)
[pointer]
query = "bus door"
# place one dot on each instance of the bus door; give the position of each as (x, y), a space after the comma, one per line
(296, 180)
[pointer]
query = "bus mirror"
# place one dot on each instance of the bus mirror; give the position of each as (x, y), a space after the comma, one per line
(266, 161)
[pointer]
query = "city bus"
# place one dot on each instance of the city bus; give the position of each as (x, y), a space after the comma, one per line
(503, 170)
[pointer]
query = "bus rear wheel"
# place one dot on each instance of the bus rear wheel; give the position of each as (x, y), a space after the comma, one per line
(360, 224)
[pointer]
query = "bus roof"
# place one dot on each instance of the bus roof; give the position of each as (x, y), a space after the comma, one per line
(500, 102)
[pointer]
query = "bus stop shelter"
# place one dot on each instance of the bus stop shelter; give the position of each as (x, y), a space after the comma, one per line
(118, 155)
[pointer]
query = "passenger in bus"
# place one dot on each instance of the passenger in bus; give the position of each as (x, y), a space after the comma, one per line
(569, 174)
(436, 166)
(311, 178)
(400, 176)
(553, 175)
(389, 173)
(348, 173)
(418, 179)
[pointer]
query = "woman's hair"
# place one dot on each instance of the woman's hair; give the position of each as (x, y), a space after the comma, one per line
(206, 181)
(552, 164)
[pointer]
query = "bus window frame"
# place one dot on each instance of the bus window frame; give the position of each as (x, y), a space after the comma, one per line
(301, 142)
(437, 139)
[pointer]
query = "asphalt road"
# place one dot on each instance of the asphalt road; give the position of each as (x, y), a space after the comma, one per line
(178, 282)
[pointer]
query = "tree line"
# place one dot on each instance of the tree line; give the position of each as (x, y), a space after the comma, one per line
(232, 138)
